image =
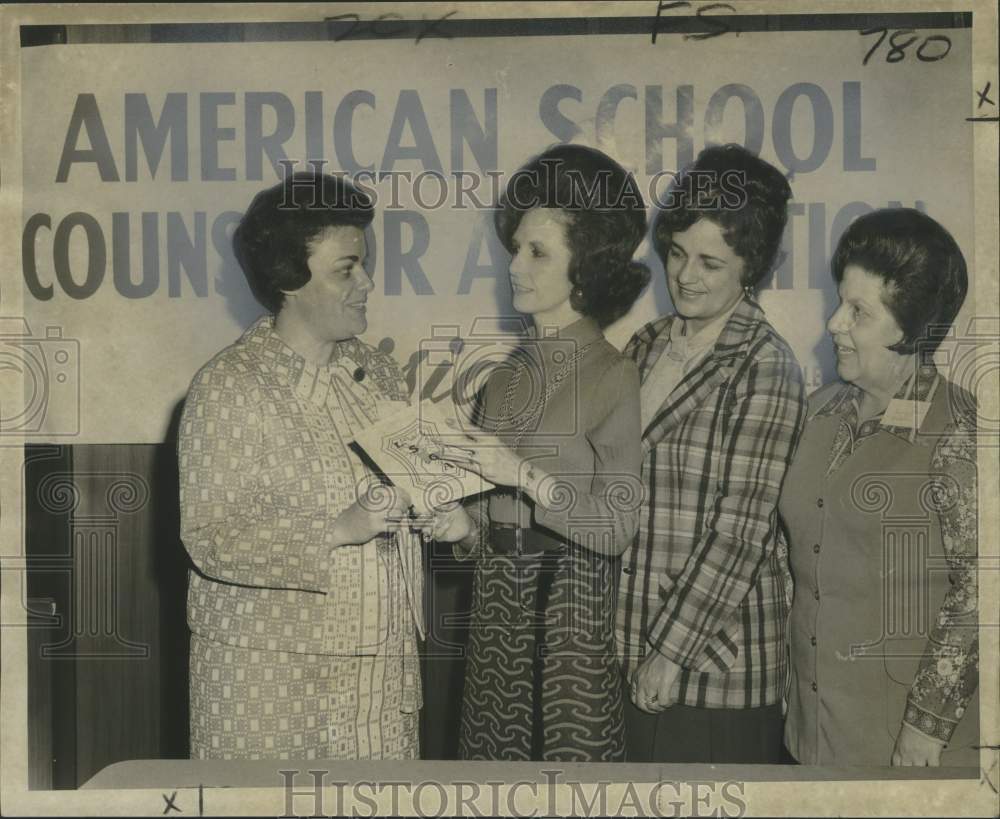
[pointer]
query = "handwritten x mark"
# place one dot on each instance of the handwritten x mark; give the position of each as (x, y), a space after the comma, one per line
(983, 96)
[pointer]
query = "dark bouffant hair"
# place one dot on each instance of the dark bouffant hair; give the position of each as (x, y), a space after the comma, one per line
(606, 222)
(920, 264)
(272, 239)
(741, 193)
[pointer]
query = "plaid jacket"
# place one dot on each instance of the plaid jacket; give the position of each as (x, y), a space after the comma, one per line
(703, 583)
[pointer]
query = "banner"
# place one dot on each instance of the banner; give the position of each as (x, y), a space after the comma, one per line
(140, 159)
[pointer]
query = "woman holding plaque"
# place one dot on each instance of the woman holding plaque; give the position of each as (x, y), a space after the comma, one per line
(559, 438)
(306, 581)
(880, 508)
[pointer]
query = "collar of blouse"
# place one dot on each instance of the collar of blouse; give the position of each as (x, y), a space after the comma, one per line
(350, 358)
(576, 336)
(906, 411)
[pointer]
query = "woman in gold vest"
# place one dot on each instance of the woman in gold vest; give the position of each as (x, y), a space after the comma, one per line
(880, 509)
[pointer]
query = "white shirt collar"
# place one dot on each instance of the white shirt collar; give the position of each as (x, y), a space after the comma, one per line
(704, 338)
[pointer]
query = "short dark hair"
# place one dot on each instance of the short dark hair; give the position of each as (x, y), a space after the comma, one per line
(272, 240)
(743, 194)
(605, 224)
(920, 264)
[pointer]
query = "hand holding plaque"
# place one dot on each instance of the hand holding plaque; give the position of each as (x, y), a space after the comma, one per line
(408, 445)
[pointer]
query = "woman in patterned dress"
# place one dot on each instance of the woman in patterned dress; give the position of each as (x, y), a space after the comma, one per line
(880, 506)
(299, 604)
(560, 439)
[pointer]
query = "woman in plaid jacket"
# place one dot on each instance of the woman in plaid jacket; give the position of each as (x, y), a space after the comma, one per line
(702, 606)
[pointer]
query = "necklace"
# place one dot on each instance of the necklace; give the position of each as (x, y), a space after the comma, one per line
(524, 422)
(527, 419)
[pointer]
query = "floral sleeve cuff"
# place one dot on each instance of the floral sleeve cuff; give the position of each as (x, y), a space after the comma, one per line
(930, 725)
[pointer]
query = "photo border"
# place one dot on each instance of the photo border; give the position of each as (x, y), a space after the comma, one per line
(917, 796)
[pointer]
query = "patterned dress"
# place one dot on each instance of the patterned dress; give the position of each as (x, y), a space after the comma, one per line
(542, 676)
(300, 649)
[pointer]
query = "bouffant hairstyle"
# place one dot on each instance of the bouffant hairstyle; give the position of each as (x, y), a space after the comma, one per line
(605, 221)
(920, 264)
(272, 241)
(741, 193)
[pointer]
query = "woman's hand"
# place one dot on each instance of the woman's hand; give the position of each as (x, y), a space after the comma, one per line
(653, 682)
(378, 509)
(487, 456)
(915, 749)
(451, 523)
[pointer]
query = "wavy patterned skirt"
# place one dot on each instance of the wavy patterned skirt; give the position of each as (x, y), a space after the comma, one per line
(542, 679)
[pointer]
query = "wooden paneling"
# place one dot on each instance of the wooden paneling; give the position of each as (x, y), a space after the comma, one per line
(131, 674)
(48, 499)
(41, 750)
(103, 543)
